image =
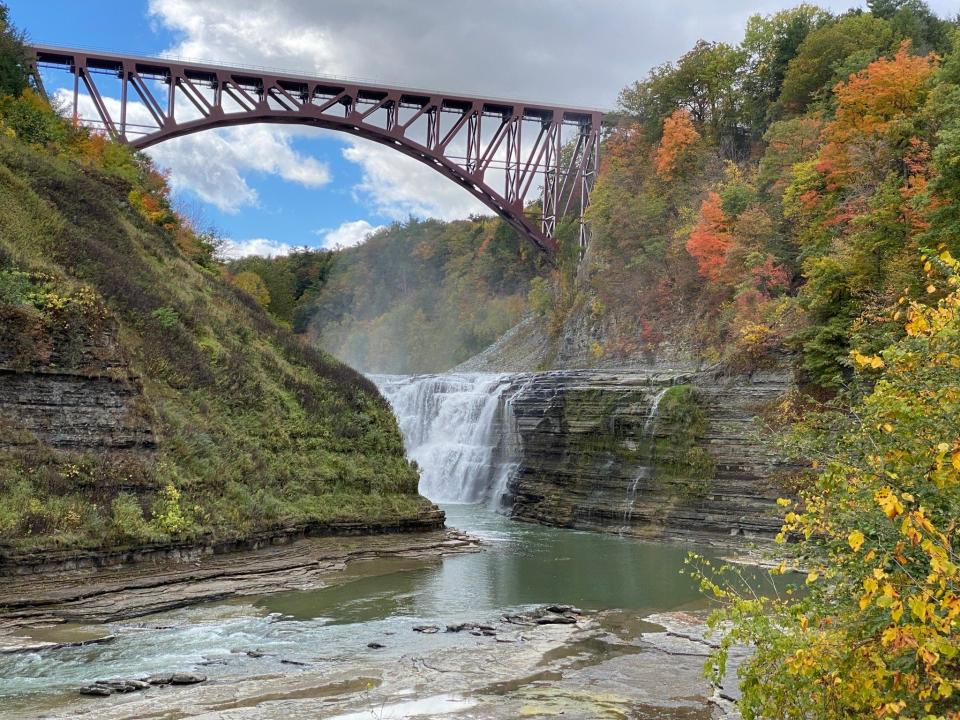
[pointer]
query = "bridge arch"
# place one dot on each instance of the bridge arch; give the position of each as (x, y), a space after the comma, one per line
(501, 151)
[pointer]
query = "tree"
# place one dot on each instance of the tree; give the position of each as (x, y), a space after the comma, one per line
(254, 286)
(877, 634)
(913, 20)
(859, 39)
(771, 42)
(674, 152)
(704, 82)
(13, 57)
(710, 240)
(873, 120)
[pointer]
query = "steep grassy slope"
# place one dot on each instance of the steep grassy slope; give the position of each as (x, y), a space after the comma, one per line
(143, 398)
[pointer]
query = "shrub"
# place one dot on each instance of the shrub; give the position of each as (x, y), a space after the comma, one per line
(128, 520)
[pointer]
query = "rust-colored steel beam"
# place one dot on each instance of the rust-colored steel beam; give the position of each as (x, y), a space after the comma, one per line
(172, 97)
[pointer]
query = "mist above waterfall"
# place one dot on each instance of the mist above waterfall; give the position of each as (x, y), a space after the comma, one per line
(459, 429)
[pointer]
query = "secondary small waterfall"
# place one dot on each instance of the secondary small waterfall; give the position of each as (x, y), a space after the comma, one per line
(459, 429)
(645, 472)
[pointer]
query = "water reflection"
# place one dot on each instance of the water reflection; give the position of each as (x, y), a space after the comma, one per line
(523, 565)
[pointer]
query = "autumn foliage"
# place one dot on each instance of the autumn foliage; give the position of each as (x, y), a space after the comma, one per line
(872, 109)
(709, 240)
(679, 136)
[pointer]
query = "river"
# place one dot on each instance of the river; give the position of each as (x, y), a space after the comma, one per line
(381, 601)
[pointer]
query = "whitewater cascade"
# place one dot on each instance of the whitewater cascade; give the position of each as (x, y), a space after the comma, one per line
(645, 472)
(459, 429)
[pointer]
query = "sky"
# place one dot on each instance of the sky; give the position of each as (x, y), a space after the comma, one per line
(268, 188)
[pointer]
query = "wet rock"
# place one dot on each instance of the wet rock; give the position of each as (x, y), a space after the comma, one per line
(287, 661)
(122, 685)
(427, 629)
(563, 609)
(95, 691)
(460, 627)
(375, 646)
(562, 479)
(186, 678)
(159, 679)
(546, 615)
(255, 653)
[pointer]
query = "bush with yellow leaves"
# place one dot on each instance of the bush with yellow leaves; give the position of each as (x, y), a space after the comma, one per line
(876, 634)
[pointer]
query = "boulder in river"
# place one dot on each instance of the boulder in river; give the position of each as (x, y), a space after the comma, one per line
(426, 629)
(186, 678)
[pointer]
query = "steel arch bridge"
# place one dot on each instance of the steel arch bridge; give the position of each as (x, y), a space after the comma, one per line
(504, 152)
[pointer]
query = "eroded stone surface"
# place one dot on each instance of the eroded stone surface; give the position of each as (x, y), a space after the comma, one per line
(593, 668)
(579, 465)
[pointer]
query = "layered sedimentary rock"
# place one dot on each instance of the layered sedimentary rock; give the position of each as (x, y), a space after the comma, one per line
(70, 393)
(596, 452)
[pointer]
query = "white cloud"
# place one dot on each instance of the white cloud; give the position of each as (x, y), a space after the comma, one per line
(234, 249)
(348, 234)
(398, 186)
(214, 164)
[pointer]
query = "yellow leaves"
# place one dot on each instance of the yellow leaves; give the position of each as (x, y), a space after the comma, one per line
(927, 656)
(888, 502)
(855, 540)
(783, 502)
(955, 460)
(891, 708)
(919, 607)
(931, 289)
(916, 323)
(812, 577)
(873, 361)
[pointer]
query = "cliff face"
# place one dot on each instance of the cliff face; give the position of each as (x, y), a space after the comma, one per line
(70, 393)
(647, 453)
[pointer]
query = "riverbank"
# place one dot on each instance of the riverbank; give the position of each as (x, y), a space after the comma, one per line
(34, 606)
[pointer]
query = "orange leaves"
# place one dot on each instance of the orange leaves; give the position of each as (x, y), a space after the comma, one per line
(679, 135)
(869, 106)
(885, 90)
(709, 240)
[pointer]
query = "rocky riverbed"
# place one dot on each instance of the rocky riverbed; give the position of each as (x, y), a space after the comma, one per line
(545, 662)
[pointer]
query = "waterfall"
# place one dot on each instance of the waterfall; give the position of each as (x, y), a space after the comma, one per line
(645, 472)
(459, 429)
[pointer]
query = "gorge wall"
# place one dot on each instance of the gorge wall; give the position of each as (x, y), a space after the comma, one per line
(645, 452)
(648, 453)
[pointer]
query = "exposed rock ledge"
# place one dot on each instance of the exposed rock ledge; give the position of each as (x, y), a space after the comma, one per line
(54, 561)
(604, 665)
(109, 594)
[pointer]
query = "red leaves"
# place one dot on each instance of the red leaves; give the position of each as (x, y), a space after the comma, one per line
(709, 240)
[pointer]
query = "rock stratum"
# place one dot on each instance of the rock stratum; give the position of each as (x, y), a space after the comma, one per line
(648, 453)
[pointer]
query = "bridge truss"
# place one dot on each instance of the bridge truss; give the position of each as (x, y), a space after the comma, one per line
(504, 152)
